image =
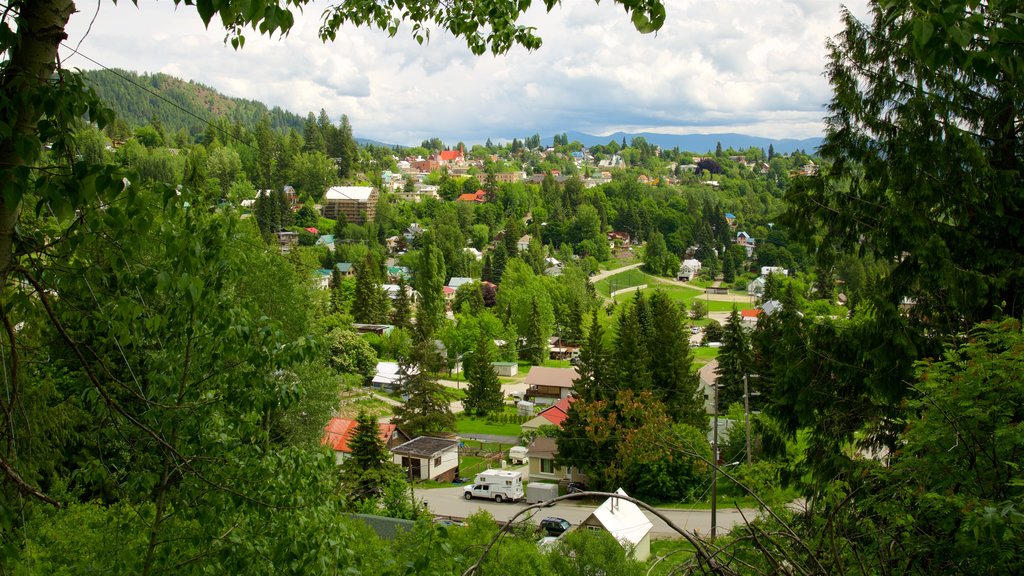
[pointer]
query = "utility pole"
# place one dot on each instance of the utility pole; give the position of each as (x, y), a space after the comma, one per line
(746, 413)
(714, 468)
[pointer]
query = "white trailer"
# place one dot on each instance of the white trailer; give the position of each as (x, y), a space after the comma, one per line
(497, 485)
(518, 454)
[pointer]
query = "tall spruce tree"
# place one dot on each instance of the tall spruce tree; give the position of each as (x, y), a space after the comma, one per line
(536, 345)
(631, 353)
(401, 313)
(735, 360)
(483, 393)
(597, 374)
(371, 303)
(674, 380)
(426, 409)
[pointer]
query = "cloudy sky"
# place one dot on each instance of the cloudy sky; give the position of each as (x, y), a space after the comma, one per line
(749, 66)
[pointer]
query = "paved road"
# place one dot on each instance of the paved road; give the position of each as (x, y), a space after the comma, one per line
(607, 273)
(450, 502)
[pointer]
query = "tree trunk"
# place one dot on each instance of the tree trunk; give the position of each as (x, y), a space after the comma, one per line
(33, 58)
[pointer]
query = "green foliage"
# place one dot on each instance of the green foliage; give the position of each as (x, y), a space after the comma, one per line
(350, 353)
(483, 394)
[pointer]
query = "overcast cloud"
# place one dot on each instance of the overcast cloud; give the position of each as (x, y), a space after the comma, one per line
(749, 66)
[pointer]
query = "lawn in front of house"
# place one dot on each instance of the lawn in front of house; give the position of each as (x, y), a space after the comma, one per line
(507, 423)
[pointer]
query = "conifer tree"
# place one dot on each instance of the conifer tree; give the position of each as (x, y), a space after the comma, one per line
(536, 346)
(483, 394)
(369, 470)
(370, 304)
(597, 375)
(401, 314)
(426, 409)
(674, 380)
(631, 353)
(734, 361)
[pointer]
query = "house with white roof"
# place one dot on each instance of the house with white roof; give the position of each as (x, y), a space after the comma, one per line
(626, 522)
(358, 204)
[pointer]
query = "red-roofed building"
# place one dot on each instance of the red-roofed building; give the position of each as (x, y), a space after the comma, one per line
(313, 231)
(553, 415)
(750, 314)
(480, 196)
(449, 155)
(340, 431)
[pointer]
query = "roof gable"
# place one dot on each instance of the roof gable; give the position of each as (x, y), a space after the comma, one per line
(623, 519)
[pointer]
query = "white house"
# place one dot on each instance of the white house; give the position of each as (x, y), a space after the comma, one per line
(766, 270)
(688, 269)
(626, 522)
(756, 286)
(428, 458)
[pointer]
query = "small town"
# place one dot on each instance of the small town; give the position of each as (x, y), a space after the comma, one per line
(605, 335)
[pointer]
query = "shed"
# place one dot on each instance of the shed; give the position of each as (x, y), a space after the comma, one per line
(505, 368)
(524, 408)
(626, 522)
(540, 492)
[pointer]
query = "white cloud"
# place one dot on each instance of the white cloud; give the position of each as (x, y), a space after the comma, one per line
(751, 66)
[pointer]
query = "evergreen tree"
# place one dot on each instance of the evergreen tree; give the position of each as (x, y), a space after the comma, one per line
(349, 150)
(771, 152)
(597, 375)
(487, 273)
(401, 313)
(674, 380)
(369, 470)
(498, 262)
(735, 360)
(313, 136)
(631, 353)
(426, 409)
(536, 345)
(371, 303)
(483, 393)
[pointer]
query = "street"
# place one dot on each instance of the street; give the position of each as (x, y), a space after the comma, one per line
(450, 502)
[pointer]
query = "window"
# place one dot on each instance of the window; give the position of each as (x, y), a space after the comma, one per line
(437, 461)
(547, 466)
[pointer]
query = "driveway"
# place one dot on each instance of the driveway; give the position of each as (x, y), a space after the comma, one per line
(450, 502)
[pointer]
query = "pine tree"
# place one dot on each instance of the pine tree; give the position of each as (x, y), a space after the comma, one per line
(401, 314)
(368, 449)
(597, 375)
(426, 409)
(349, 149)
(735, 360)
(483, 394)
(631, 353)
(370, 304)
(498, 262)
(313, 136)
(536, 346)
(673, 378)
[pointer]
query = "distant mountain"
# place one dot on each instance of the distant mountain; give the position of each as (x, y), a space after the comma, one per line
(700, 143)
(179, 104)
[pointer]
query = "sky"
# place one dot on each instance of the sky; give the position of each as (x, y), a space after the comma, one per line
(748, 66)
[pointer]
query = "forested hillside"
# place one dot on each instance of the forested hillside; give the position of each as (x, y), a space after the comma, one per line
(138, 99)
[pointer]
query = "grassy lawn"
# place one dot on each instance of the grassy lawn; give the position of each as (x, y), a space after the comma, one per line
(704, 354)
(622, 280)
(465, 424)
(352, 402)
(667, 554)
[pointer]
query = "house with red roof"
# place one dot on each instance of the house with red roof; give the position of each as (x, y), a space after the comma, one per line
(750, 314)
(480, 196)
(339, 433)
(553, 415)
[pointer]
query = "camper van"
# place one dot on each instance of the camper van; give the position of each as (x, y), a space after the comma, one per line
(497, 485)
(517, 454)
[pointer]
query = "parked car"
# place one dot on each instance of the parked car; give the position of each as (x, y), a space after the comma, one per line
(574, 487)
(555, 526)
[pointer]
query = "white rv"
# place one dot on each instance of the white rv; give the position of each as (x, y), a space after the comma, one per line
(497, 485)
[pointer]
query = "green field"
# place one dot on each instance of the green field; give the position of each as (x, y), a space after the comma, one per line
(465, 424)
(622, 280)
(687, 296)
(666, 555)
(703, 355)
